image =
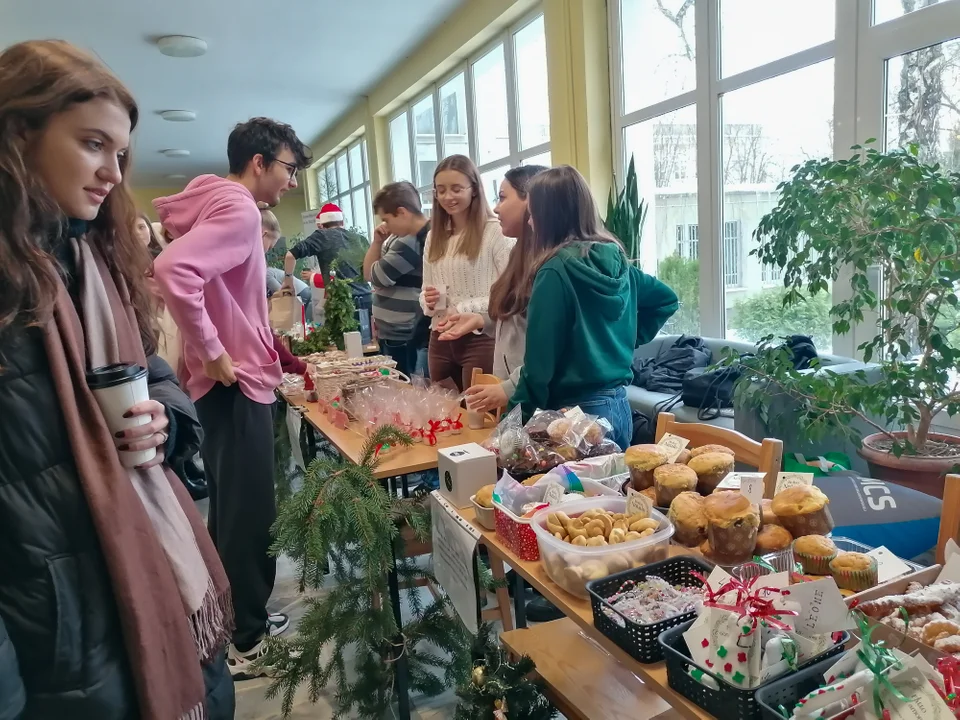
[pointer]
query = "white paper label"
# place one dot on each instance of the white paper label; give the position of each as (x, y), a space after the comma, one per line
(751, 487)
(889, 566)
(822, 609)
(731, 481)
(923, 702)
(454, 547)
(553, 495)
(674, 445)
(951, 569)
(638, 503)
(788, 480)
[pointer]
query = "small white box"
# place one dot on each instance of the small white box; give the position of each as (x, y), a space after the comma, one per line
(464, 469)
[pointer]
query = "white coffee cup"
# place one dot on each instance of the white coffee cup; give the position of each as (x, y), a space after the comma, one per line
(442, 300)
(118, 388)
(475, 420)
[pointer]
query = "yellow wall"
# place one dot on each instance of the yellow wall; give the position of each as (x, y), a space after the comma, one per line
(287, 212)
(578, 77)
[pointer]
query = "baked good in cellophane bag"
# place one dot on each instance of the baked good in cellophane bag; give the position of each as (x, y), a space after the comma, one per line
(516, 451)
(422, 410)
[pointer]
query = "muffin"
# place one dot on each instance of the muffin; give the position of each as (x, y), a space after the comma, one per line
(767, 516)
(532, 480)
(814, 553)
(651, 493)
(684, 457)
(688, 518)
(641, 461)
(671, 480)
(854, 571)
(803, 510)
(732, 526)
(772, 538)
(694, 452)
(484, 496)
(711, 468)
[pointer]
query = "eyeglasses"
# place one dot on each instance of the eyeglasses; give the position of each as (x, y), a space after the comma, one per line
(291, 167)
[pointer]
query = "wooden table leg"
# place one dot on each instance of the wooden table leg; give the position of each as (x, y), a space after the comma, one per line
(503, 595)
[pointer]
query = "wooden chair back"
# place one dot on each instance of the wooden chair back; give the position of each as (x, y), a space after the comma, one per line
(766, 456)
(949, 515)
(478, 377)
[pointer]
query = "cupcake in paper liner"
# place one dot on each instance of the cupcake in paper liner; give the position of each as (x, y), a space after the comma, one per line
(642, 460)
(688, 518)
(711, 468)
(670, 480)
(803, 510)
(732, 526)
(814, 553)
(855, 571)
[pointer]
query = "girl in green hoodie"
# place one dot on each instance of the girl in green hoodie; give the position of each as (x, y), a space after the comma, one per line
(589, 308)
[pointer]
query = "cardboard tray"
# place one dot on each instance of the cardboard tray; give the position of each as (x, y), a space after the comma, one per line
(891, 637)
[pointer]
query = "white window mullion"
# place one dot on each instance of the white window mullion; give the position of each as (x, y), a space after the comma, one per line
(709, 184)
(437, 130)
(661, 108)
(471, 110)
(412, 139)
(618, 121)
(802, 59)
(513, 116)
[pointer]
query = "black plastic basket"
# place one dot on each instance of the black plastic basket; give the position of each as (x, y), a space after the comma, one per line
(728, 702)
(787, 691)
(641, 641)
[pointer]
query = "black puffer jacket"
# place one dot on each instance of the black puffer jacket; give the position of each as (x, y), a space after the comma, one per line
(61, 650)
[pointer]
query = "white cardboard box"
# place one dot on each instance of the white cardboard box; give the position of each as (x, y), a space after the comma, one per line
(463, 470)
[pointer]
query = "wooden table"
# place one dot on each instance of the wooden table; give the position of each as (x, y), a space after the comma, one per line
(578, 610)
(397, 462)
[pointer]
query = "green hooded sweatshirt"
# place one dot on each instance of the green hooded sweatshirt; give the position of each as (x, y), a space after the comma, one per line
(589, 310)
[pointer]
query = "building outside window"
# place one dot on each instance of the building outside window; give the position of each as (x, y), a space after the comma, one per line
(344, 180)
(493, 108)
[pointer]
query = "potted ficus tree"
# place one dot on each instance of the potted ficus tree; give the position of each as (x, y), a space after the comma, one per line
(844, 219)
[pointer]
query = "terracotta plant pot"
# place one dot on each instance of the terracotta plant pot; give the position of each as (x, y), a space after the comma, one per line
(913, 471)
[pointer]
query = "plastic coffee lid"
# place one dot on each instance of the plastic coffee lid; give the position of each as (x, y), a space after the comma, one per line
(115, 374)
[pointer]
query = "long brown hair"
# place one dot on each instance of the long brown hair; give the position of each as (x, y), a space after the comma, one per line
(564, 213)
(478, 215)
(153, 247)
(508, 296)
(39, 79)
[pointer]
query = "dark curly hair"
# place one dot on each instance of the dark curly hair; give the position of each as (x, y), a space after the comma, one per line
(263, 136)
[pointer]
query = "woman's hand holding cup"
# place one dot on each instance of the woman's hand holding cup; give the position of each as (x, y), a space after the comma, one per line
(150, 435)
(431, 296)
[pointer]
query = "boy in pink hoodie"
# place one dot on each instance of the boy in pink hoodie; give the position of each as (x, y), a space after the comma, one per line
(212, 278)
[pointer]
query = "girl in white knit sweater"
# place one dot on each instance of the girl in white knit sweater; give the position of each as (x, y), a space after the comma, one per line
(464, 254)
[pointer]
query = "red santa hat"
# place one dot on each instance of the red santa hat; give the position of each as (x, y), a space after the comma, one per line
(329, 213)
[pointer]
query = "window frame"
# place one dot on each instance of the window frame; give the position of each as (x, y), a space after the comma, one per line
(515, 156)
(353, 184)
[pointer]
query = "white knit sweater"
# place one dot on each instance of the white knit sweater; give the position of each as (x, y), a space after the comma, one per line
(468, 281)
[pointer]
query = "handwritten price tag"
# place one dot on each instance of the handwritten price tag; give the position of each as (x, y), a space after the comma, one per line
(822, 609)
(751, 487)
(674, 445)
(785, 481)
(638, 503)
(889, 566)
(553, 495)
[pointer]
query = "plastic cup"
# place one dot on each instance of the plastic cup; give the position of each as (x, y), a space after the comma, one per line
(118, 388)
(475, 420)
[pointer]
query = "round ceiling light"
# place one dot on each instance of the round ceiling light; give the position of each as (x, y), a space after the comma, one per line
(178, 115)
(182, 46)
(176, 153)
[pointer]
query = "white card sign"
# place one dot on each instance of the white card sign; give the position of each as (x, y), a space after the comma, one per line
(889, 566)
(674, 445)
(751, 486)
(923, 702)
(454, 547)
(553, 495)
(638, 503)
(785, 481)
(822, 609)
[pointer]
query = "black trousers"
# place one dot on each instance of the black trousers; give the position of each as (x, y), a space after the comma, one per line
(238, 460)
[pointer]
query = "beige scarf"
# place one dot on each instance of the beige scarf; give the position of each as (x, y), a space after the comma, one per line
(170, 588)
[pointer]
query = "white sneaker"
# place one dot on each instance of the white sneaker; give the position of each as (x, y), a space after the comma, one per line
(277, 624)
(245, 666)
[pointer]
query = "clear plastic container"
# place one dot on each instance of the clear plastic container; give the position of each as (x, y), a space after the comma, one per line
(573, 566)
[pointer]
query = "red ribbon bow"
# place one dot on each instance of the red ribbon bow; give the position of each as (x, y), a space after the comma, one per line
(749, 603)
(456, 424)
(949, 667)
(431, 435)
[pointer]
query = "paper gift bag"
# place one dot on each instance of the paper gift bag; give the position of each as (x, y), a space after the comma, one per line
(286, 310)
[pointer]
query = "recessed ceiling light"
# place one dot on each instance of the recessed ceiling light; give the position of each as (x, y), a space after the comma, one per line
(176, 153)
(178, 115)
(176, 177)
(182, 46)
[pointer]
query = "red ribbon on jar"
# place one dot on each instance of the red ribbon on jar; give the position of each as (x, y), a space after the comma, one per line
(749, 603)
(456, 424)
(431, 435)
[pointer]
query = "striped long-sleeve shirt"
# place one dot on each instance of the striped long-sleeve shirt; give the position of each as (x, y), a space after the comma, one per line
(397, 278)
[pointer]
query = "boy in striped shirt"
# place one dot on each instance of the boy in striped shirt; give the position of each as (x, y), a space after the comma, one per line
(394, 267)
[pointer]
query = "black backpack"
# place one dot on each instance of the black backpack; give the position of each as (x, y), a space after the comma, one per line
(709, 390)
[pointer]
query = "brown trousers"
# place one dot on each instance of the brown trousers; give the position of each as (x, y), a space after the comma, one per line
(456, 359)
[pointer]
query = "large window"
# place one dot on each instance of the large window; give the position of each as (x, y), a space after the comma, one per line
(345, 181)
(493, 108)
(716, 100)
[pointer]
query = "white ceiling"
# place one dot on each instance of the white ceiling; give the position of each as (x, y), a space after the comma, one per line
(300, 61)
